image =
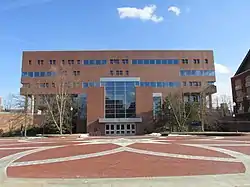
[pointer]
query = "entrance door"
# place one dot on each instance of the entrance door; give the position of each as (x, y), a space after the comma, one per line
(120, 129)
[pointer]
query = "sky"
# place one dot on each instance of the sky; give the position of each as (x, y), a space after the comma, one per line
(222, 26)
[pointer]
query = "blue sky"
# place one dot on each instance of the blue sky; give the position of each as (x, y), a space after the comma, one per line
(123, 24)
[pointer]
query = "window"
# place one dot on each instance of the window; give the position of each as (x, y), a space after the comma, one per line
(95, 62)
(30, 74)
(197, 72)
(70, 62)
(195, 83)
(114, 61)
(120, 100)
(40, 62)
(196, 61)
(157, 103)
(184, 83)
(206, 61)
(127, 72)
(44, 85)
(63, 62)
(210, 82)
(30, 62)
(52, 62)
(125, 61)
(238, 84)
(78, 61)
(76, 73)
(37, 74)
(53, 85)
(121, 72)
(247, 80)
(117, 72)
(185, 61)
(111, 72)
(76, 84)
(157, 61)
(26, 85)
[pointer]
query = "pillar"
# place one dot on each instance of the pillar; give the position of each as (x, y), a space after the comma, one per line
(210, 101)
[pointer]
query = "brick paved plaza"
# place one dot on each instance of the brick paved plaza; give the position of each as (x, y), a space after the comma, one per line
(126, 161)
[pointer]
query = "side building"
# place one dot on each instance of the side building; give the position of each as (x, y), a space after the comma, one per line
(120, 87)
(241, 89)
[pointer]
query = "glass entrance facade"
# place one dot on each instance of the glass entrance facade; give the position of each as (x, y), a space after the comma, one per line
(120, 99)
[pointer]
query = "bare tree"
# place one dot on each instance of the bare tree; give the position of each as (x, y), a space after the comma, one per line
(179, 113)
(18, 108)
(59, 103)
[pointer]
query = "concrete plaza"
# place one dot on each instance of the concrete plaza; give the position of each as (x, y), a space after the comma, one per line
(125, 161)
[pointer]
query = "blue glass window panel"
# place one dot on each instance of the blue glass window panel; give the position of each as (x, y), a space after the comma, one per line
(143, 84)
(37, 74)
(182, 72)
(42, 74)
(91, 62)
(171, 84)
(134, 62)
(24, 74)
(91, 84)
(146, 61)
(176, 84)
(85, 85)
(30, 74)
(206, 72)
(165, 84)
(137, 83)
(49, 74)
(119, 84)
(110, 89)
(211, 82)
(96, 84)
(211, 73)
(171, 61)
(104, 61)
(140, 61)
(147, 84)
(103, 83)
(176, 61)
(154, 84)
(160, 84)
(130, 84)
(86, 62)
(152, 62)
(53, 73)
(110, 84)
(119, 92)
(158, 61)
(98, 62)
(164, 61)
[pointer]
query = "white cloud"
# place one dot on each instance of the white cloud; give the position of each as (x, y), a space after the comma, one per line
(147, 13)
(175, 10)
(219, 68)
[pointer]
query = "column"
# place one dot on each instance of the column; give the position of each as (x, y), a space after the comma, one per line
(210, 101)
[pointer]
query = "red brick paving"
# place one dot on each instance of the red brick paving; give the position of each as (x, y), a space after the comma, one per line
(241, 149)
(40, 144)
(4, 153)
(67, 151)
(123, 165)
(179, 149)
(210, 142)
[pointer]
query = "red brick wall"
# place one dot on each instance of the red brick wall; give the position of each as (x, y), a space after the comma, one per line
(144, 106)
(95, 109)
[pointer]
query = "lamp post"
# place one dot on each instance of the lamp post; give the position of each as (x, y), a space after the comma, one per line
(71, 109)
